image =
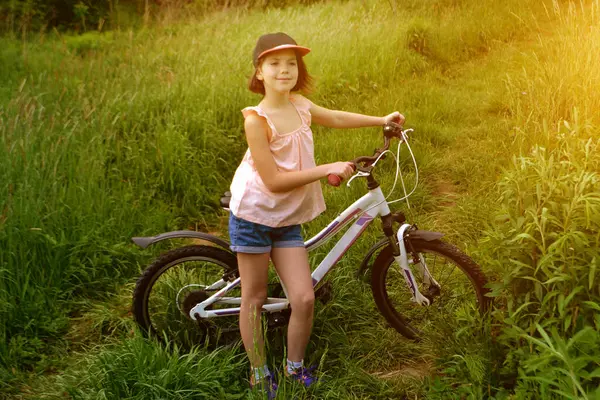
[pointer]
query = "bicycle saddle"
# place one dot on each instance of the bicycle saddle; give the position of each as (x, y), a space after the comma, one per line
(224, 201)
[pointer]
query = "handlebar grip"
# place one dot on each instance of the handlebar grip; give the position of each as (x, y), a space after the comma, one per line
(334, 180)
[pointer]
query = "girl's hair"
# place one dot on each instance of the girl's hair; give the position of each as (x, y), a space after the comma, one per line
(304, 83)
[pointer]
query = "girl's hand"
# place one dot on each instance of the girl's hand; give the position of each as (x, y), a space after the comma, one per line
(395, 117)
(343, 169)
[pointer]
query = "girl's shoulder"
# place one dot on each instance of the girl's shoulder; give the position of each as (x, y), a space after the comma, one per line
(255, 117)
(252, 110)
(256, 111)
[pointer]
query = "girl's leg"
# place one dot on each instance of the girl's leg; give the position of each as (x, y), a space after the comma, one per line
(254, 275)
(292, 266)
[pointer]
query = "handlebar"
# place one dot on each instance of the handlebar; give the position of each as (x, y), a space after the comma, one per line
(390, 130)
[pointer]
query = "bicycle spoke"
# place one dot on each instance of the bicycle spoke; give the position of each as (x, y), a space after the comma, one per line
(176, 291)
(448, 276)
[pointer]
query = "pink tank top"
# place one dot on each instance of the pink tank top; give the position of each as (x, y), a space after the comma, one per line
(293, 151)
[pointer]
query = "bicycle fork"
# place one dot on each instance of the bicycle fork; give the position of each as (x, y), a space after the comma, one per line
(403, 262)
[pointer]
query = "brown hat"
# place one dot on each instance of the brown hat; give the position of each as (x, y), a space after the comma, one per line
(273, 42)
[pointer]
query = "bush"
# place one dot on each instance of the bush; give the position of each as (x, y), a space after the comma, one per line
(24, 15)
(83, 15)
(547, 241)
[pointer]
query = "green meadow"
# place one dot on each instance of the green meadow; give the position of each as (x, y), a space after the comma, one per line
(138, 131)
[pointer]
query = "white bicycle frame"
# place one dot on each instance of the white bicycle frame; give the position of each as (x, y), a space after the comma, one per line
(375, 205)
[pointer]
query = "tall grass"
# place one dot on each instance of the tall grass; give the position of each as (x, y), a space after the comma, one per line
(137, 369)
(103, 137)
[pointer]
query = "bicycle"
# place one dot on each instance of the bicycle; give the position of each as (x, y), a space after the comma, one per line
(200, 284)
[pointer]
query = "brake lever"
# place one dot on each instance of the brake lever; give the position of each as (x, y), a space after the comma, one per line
(357, 175)
(405, 133)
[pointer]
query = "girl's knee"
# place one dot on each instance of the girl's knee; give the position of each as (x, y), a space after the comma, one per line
(304, 302)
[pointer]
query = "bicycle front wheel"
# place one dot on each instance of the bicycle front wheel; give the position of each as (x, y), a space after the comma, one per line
(460, 294)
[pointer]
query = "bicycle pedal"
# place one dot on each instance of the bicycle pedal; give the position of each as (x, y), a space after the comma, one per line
(324, 293)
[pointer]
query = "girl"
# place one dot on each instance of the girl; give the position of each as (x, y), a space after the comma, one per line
(275, 189)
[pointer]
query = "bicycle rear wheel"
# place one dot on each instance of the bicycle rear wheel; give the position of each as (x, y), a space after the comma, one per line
(461, 292)
(175, 283)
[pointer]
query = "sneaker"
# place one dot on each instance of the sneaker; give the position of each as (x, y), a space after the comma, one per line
(267, 385)
(303, 375)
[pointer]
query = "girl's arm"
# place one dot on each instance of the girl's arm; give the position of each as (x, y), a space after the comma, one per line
(343, 119)
(275, 180)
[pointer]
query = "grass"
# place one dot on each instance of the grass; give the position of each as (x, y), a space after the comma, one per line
(108, 136)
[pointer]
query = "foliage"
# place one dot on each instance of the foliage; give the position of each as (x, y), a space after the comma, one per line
(107, 136)
(547, 241)
(21, 16)
(25, 15)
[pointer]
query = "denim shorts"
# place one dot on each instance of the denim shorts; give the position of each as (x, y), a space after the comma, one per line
(250, 237)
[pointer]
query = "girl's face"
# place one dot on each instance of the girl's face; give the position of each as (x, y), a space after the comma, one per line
(279, 71)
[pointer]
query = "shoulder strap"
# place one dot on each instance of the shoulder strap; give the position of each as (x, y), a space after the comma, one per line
(303, 107)
(248, 110)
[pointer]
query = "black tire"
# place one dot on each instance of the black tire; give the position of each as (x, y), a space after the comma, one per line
(462, 290)
(164, 290)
